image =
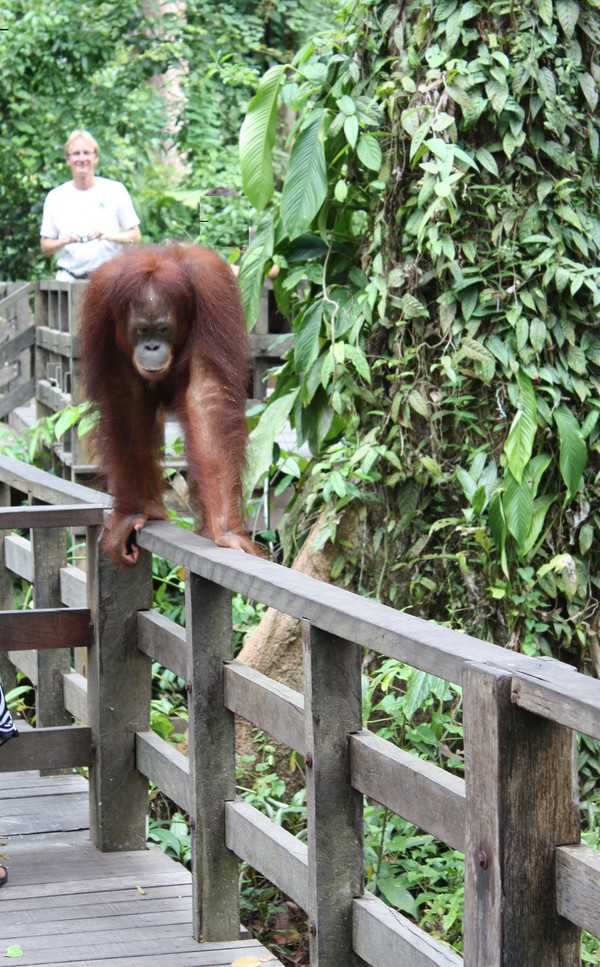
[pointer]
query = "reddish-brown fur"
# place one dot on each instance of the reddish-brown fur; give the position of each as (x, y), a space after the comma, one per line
(200, 291)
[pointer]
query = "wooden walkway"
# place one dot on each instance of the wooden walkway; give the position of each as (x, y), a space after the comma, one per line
(67, 903)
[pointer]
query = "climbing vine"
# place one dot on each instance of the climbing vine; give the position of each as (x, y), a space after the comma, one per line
(434, 213)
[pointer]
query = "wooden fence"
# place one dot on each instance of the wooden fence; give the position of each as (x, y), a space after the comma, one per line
(530, 885)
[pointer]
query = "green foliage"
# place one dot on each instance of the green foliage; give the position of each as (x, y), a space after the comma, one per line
(75, 64)
(435, 222)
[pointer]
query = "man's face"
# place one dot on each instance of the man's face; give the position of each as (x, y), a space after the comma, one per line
(82, 157)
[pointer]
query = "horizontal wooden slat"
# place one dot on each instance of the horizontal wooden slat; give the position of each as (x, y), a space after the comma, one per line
(572, 700)
(73, 587)
(424, 794)
(54, 340)
(273, 707)
(165, 766)
(382, 937)
(60, 748)
(46, 486)
(45, 628)
(57, 515)
(18, 344)
(578, 886)
(269, 849)
(26, 662)
(19, 556)
(163, 641)
(75, 696)
(17, 397)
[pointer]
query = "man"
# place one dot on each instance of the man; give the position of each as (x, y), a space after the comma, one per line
(88, 219)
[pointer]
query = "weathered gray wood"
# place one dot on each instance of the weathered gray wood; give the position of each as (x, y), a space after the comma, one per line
(578, 886)
(119, 691)
(268, 848)
(19, 556)
(419, 791)
(396, 634)
(49, 555)
(46, 487)
(212, 759)
(68, 515)
(26, 662)
(570, 699)
(45, 629)
(521, 785)
(73, 587)
(75, 696)
(164, 641)
(18, 344)
(384, 937)
(7, 669)
(273, 707)
(166, 767)
(48, 748)
(17, 397)
(332, 677)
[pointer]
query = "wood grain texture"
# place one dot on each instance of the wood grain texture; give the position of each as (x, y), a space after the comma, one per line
(383, 937)
(212, 759)
(333, 709)
(119, 692)
(424, 794)
(522, 802)
(578, 886)
(271, 706)
(69, 904)
(45, 629)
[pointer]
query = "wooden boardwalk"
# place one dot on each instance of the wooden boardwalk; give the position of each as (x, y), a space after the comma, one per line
(67, 903)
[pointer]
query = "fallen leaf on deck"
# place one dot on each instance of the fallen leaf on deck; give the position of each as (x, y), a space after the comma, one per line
(141, 891)
(14, 951)
(246, 962)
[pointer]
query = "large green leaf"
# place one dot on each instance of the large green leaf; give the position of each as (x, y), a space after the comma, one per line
(518, 509)
(573, 450)
(251, 275)
(305, 185)
(307, 329)
(521, 436)
(263, 436)
(568, 14)
(257, 138)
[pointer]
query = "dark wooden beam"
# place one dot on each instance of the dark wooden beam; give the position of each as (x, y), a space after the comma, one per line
(45, 628)
(51, 515)
(59, 748)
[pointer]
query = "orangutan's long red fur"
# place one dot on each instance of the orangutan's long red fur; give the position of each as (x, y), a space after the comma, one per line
(204, 387)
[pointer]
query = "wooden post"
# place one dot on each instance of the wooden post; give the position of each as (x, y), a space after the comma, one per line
(333, 710)
(7, 669)
(522, 802)
(119, 692)
(49, 555)
(212, 760)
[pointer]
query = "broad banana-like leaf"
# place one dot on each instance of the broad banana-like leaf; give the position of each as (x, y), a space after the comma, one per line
(519, 443)
(305, 186)
(257, 138)
(573, 450)
(252, 269)
(263, 436)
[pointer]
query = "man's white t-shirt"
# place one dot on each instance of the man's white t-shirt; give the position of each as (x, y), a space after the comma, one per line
(105, 207)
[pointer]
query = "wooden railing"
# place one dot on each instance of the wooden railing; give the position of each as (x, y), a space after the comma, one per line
(530, 885)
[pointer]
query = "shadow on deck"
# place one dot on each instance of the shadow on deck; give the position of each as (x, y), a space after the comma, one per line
(68, 903)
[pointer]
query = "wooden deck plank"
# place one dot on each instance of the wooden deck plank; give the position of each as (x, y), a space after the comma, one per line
(68, 904)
